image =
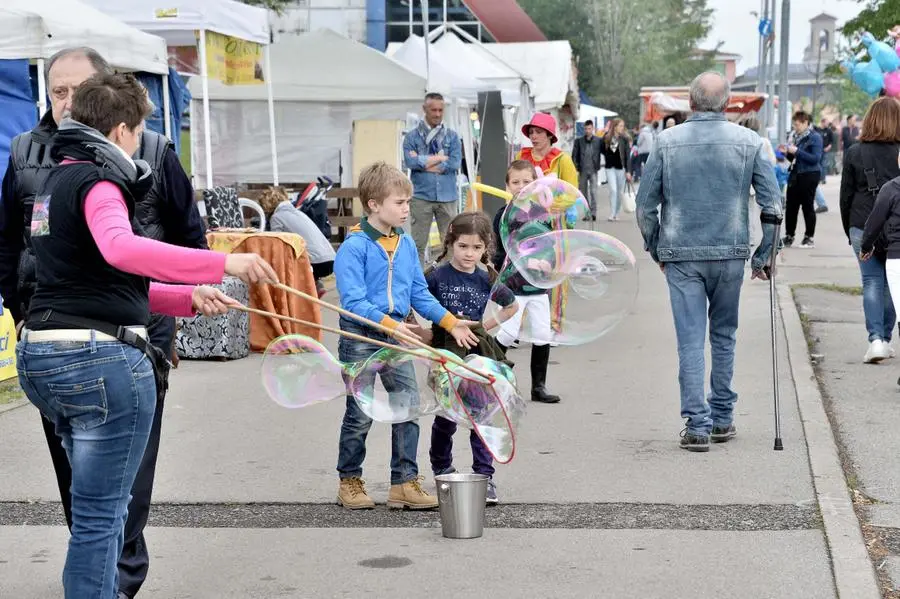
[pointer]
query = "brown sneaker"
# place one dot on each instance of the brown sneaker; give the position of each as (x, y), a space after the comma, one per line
(411, 495)
(352, 494)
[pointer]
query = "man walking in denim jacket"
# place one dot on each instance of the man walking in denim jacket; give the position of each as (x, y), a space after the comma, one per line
(695, 226)
(434, 155)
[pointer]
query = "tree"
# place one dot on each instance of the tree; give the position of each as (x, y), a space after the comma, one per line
(623, 45)
(877, 17)
(276, 5)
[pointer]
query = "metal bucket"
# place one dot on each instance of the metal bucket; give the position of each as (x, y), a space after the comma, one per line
(461, 498)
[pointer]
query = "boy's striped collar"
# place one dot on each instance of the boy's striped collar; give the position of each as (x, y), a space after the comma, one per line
(373, 233)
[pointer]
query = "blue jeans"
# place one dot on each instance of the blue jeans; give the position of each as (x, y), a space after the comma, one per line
(877, 303)
(356, 425)
(699, 291)
(615, 180)
(820, 198)
(101, 397)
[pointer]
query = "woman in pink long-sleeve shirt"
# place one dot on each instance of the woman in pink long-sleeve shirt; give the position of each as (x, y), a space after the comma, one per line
(83, 359)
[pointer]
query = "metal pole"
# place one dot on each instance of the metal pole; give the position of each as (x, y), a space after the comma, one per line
(779, 446)
(763, 47)
(427, 27)
(167, 107)
(411, 3)
(783, 92)
(42, 88)
(770, 84)
(445, 13)
(272, 144)
(207, 135)
(818, 76)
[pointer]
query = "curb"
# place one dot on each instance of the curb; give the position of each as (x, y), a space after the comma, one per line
(854, 575)
(13, 405)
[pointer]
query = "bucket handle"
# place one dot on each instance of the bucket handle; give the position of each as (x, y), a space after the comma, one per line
(444, 489)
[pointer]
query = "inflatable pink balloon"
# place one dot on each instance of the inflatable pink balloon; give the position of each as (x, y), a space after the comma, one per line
(881, 53)
(892, 84)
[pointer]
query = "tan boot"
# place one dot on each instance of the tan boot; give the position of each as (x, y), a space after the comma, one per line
(352, 494)
(411, 495)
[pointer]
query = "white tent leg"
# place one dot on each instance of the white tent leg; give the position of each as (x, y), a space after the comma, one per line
(268, 59)
(195, 180)
(42, 88)
(167, 108)
(207, 135)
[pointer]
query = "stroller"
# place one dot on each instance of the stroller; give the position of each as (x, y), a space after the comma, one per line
(313, 203)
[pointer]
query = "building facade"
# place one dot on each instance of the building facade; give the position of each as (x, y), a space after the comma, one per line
(380, 22)
(807, 79)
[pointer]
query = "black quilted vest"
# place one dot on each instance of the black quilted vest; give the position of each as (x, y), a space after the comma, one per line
(31, 162)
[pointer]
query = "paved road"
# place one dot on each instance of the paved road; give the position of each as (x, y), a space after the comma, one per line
(600, 501)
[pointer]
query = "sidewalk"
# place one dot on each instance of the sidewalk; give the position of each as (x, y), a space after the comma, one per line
(600, 501)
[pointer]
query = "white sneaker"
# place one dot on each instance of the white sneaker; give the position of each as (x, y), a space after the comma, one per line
(878, 351)
(890, 350)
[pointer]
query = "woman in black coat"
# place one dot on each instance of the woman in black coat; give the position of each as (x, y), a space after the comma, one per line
(868, 166)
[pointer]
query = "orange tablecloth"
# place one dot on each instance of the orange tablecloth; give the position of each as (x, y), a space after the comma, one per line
(286, 252)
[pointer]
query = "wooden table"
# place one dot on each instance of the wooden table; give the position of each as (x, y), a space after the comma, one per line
(286, 252)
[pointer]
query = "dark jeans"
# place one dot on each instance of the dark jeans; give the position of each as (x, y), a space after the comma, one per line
(356, 424)
(134, 562)
(801, 193)
(442, 448)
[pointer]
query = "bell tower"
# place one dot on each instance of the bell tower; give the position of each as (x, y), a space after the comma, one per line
(822, 32)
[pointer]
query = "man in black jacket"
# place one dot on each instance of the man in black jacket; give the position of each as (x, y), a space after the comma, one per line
(587, 155)
(167, 213)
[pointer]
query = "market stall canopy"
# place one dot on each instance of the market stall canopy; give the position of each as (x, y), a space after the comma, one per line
(40, 28)
(659, 102)
(323, 66)
(549, 68)
(177, 20)
(598, 115)
(476, 60)
(445, 75)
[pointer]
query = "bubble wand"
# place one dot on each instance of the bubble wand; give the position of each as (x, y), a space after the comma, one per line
(378, 326)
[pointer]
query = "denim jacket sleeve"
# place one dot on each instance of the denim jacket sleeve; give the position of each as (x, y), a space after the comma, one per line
(414, 156)
(649, 198)
(454, 156)
(768, 197)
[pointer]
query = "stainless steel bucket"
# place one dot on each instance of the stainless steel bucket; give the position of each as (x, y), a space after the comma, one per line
(461, 498)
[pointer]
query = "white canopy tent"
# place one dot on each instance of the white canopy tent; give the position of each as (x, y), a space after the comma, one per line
(177, 21)
(323, 83)
(598, 115)
(444, 74)
(37, 29)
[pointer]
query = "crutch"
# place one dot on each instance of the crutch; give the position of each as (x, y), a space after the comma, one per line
(778, 445)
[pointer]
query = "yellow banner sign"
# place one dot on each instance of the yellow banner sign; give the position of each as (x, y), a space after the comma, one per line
(233, 61)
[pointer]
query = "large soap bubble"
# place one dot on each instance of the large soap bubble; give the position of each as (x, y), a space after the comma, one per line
(392, 386)
(298, 371)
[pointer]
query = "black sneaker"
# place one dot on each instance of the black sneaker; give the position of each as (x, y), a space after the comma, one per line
(692, 442)
(807, 243)
(722, 434)
(821, 209)
(788, 241)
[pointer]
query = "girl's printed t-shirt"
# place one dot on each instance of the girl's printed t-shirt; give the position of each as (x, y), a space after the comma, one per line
(465, 294)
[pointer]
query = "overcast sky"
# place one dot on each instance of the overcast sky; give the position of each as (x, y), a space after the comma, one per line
(736, 27)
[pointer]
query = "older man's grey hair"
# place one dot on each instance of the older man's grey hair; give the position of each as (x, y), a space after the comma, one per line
(710, 92)
(97, 61)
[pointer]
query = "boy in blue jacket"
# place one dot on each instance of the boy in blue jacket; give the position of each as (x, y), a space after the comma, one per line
(379, 277)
